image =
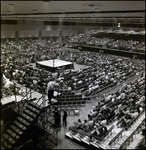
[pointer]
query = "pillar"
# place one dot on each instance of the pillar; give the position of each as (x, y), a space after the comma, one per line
(40, 35)
(60, 37)
(16, 35)
(76, 32)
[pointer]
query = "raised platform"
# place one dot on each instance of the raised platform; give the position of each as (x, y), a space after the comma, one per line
(52, 65)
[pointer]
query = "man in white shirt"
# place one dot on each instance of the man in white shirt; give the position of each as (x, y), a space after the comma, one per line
(50, 89)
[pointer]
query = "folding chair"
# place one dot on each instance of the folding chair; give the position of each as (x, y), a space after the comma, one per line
(76, 111)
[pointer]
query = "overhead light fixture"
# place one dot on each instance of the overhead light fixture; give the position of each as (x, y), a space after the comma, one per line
(91, 5)
(11, 4)
(34, 10)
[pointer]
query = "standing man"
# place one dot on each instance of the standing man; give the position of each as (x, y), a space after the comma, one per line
(50, 89)
(64, 117)
(57, 117)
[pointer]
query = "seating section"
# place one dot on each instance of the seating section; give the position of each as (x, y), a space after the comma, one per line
(124, 41)
(120, 113)
(71, 100)
(105, 71)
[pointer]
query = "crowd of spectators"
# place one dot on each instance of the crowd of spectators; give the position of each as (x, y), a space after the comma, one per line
(124, 106)
(28, 51)
(106, 70)
(126, 42)
(103, 69)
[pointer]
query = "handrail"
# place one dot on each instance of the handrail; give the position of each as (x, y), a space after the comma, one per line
(10, 114)
(124, 143)
(135, 119)
(22, 111)
(114, 139)
(39, 100)
(26, 115)
(15, 105)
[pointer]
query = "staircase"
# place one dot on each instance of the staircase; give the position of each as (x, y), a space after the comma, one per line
(17, 132)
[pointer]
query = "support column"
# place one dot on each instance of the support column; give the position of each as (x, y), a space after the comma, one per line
(60, 37)
(76, 32)
(16, 35)
(40, 35)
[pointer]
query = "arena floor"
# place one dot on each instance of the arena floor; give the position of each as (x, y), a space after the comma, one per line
(65, 143)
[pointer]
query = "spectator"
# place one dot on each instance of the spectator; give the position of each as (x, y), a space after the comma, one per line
(50, 89)
(65, 117)
(57, 117)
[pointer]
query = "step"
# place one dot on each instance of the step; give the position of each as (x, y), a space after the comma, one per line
(136, 140)
(108, 140)
(23, 121)
(32, 109)
(6, 144)
(9, 139)
(16, 130)
(12, 134)
(33, 105)
(26, 117)
(120, 142)
(19, 125)
(30, 114)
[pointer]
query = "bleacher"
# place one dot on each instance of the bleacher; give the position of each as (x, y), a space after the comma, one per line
(116, 137)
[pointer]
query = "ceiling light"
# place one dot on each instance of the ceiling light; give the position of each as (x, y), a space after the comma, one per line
(11, 4)
(91, 5)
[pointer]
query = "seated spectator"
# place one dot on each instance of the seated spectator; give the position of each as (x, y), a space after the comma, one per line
(134, 114)
(99, 131)
(103, 122)
(86, 125)
(93, 112)
(91, 123)
(126, 120)
(79, 124)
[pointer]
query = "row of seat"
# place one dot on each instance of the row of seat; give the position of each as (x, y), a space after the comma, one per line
(72, 98)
